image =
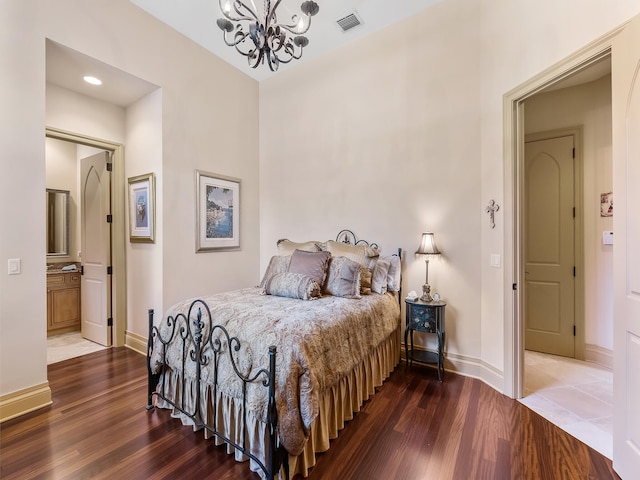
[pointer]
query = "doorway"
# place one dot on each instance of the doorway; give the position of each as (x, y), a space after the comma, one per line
(117, 232)
(570, 72)
(551, 238)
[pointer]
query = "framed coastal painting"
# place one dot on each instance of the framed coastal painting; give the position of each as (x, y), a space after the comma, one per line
(142, 208)
(217, 212)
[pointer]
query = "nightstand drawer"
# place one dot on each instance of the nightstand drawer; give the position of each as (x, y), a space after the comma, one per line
(424, 319)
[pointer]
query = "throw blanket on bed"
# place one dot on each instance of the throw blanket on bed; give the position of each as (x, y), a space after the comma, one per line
(318, 342)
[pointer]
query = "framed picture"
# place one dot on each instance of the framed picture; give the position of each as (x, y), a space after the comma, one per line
(606, 204)
(217, 212)
(142, 208)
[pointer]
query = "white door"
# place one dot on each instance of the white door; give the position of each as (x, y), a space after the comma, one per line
(95, 200)
(549, 288)
(625, 78)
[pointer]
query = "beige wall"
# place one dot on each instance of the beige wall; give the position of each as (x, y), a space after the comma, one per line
(143, 154)
(396, 133)
(521, 39)
(402, 131)
(588, 106)
(382, 137)
(213, 128)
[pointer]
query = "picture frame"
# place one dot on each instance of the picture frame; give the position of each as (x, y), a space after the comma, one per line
(142, 208)
(217, 212)
(606, 204)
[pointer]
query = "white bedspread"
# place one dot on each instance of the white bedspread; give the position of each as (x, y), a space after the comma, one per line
(318, 342)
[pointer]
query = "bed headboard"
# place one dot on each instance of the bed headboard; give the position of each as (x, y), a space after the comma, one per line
(348, 237)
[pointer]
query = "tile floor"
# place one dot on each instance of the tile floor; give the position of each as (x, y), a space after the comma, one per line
(574, 395)
(69, 345)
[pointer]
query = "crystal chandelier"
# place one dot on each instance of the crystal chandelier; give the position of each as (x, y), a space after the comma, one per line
(261, 37)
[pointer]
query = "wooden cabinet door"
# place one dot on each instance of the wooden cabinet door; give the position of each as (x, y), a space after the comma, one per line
(63, 303)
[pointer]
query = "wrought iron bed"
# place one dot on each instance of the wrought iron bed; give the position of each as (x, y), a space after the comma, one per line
(196, 331)
(200, 329)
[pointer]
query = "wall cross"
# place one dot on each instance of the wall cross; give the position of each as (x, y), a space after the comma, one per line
(491, 210)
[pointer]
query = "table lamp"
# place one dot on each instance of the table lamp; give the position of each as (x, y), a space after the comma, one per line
(427, 248)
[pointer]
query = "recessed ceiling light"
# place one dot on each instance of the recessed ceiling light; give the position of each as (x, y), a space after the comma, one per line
(92, 80)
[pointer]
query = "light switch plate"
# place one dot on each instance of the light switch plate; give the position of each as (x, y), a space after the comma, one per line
(607, 238)
(14, 266)
(494, 260)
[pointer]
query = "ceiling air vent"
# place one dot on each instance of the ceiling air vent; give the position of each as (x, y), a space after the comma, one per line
(349, 22)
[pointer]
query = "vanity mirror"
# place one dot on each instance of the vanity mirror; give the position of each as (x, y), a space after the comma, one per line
(57, 223)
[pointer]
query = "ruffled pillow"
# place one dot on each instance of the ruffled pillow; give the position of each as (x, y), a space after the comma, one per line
(277, 264)
(293, 285)
(393, 276)
(287, 247)
(365, 255)
(379, 282)
(365, 280)
(343, 278)
(313, 264)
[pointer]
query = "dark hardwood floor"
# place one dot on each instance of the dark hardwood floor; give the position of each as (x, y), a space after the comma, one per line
(414, 428)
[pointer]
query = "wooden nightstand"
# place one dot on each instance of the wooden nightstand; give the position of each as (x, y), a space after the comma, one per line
(425, 317)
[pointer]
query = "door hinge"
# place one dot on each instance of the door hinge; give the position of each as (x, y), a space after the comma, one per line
(109, 322)
(109, 270)
(574, 271)
(514, 286)
(109, 218)
(574, 212)
(573, 152)
(109, 166)
(81, 269)
(574, 330)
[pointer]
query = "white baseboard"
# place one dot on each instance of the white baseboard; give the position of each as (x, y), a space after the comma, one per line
(471, 367)
(135, 342)
(599, 355)
(18, 403)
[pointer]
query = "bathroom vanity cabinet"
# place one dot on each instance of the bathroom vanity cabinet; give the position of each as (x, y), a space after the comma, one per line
(63, 302)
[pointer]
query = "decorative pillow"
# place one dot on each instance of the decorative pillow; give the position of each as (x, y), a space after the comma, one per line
(393, 276)
(379, 280)
(363, 254)
(293, 285)
(287, 247)
(313, 264)
(277, 264)
(343, 278)
(365, 281)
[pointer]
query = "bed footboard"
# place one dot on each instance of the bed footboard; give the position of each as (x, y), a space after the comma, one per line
(195, 331)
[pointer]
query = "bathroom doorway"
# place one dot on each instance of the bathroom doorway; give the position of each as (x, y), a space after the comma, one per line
(115, 317)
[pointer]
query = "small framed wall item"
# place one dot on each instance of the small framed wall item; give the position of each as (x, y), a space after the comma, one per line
(217, 212)
(606, 204)
(142, 208)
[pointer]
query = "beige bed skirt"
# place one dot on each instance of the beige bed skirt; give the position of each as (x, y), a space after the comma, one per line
(337, 406)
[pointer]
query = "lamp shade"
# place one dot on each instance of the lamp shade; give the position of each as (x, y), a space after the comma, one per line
(428, 245)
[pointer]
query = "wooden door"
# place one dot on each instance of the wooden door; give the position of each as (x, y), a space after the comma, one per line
(625, 79)
(549, 290)
(96, 248)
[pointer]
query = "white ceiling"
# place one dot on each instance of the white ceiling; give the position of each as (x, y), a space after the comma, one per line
(196, 19)
(66, 68)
